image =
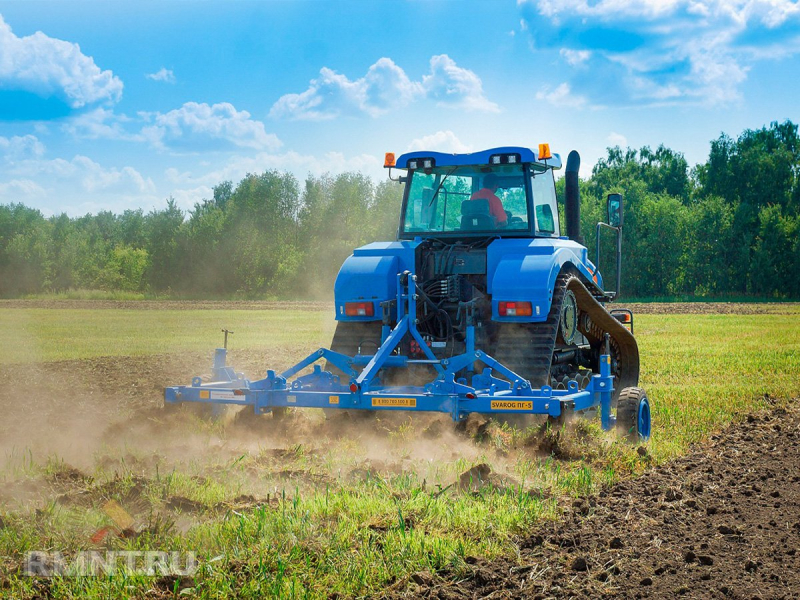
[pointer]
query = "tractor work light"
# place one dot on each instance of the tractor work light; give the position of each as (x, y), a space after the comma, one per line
(421, 163)
(505, 159)
(389, 160)
(359, 309)
(515, 309)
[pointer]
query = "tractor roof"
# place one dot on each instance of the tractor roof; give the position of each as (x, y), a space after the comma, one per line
(441, 159)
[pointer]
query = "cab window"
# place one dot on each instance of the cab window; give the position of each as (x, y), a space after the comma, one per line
(544, 203)
(467, 199)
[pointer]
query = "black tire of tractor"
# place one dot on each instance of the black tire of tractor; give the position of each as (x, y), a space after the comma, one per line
(628, 414)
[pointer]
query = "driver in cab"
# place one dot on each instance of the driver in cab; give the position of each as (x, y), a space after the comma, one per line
(488, 192)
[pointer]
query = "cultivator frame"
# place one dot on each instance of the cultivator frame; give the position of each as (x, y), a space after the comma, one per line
(477, 393)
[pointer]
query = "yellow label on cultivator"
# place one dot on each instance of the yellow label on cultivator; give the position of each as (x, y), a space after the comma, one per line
(404, 402)
(511, 405)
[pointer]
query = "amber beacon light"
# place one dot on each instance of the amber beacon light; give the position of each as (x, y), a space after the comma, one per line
(544, 152)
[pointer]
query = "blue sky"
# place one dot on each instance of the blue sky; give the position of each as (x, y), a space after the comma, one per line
(113, 105)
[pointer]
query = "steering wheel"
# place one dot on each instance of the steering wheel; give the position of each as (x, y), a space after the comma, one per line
(512, 219)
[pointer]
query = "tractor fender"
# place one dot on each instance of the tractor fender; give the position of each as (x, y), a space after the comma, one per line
(530, 278)
(365, 278)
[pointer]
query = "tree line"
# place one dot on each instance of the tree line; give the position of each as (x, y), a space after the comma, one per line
(727, 227)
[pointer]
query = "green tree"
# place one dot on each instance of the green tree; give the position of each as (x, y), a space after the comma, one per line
(125, 269)
(163, 240)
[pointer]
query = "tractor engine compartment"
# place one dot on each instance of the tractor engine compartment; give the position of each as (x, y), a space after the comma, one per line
(451, 284)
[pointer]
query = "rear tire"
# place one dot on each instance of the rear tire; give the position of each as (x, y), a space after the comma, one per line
(633, 415)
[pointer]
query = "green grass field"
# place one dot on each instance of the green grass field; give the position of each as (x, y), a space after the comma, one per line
(330, 532)
(42, 335)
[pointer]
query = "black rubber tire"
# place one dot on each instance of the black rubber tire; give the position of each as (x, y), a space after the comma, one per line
(628, 414)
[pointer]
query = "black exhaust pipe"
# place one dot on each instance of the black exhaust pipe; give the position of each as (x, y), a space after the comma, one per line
(572, 194)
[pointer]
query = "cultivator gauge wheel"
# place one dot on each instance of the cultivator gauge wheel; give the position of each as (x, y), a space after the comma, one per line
(633, 414)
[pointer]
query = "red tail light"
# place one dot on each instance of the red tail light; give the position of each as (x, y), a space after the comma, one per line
(359, 309)
(515, 309)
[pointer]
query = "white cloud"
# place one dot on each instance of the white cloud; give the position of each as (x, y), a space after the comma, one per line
(199, 126)
(100, 123)
(76, 186)
(769, 12)
(385, 87)
(83, 173)
(190, 188)
(164, 74)
(187, 198)
(454, 86)
(617, 139)
(561, 96)
(21, 147)
(50, 67)
(18, 190)
(575, 57)
(441, 141)
(236, 168)
(697, 51)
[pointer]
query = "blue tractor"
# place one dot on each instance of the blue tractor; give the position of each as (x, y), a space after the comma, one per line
(479, 306)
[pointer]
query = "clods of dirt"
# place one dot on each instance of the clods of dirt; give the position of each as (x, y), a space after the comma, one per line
(475, 478)
(475, 426)
(67, 476)
(721, 522)
(481, 476)
(185, 505)
(171, 586)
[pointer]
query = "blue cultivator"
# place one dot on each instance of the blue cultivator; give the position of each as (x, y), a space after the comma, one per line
(477, 393)
(481, 289)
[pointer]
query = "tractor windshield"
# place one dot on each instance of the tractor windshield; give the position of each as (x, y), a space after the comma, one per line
(467, 199)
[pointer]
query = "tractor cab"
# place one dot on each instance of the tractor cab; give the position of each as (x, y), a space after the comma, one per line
(503, 192)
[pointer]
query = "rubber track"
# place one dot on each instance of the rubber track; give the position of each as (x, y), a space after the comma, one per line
(527, 348)
(349, 336)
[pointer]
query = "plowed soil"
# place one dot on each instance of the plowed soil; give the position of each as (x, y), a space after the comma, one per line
(721, 522)
(72, 408)
(710, 308)
(649, 308)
